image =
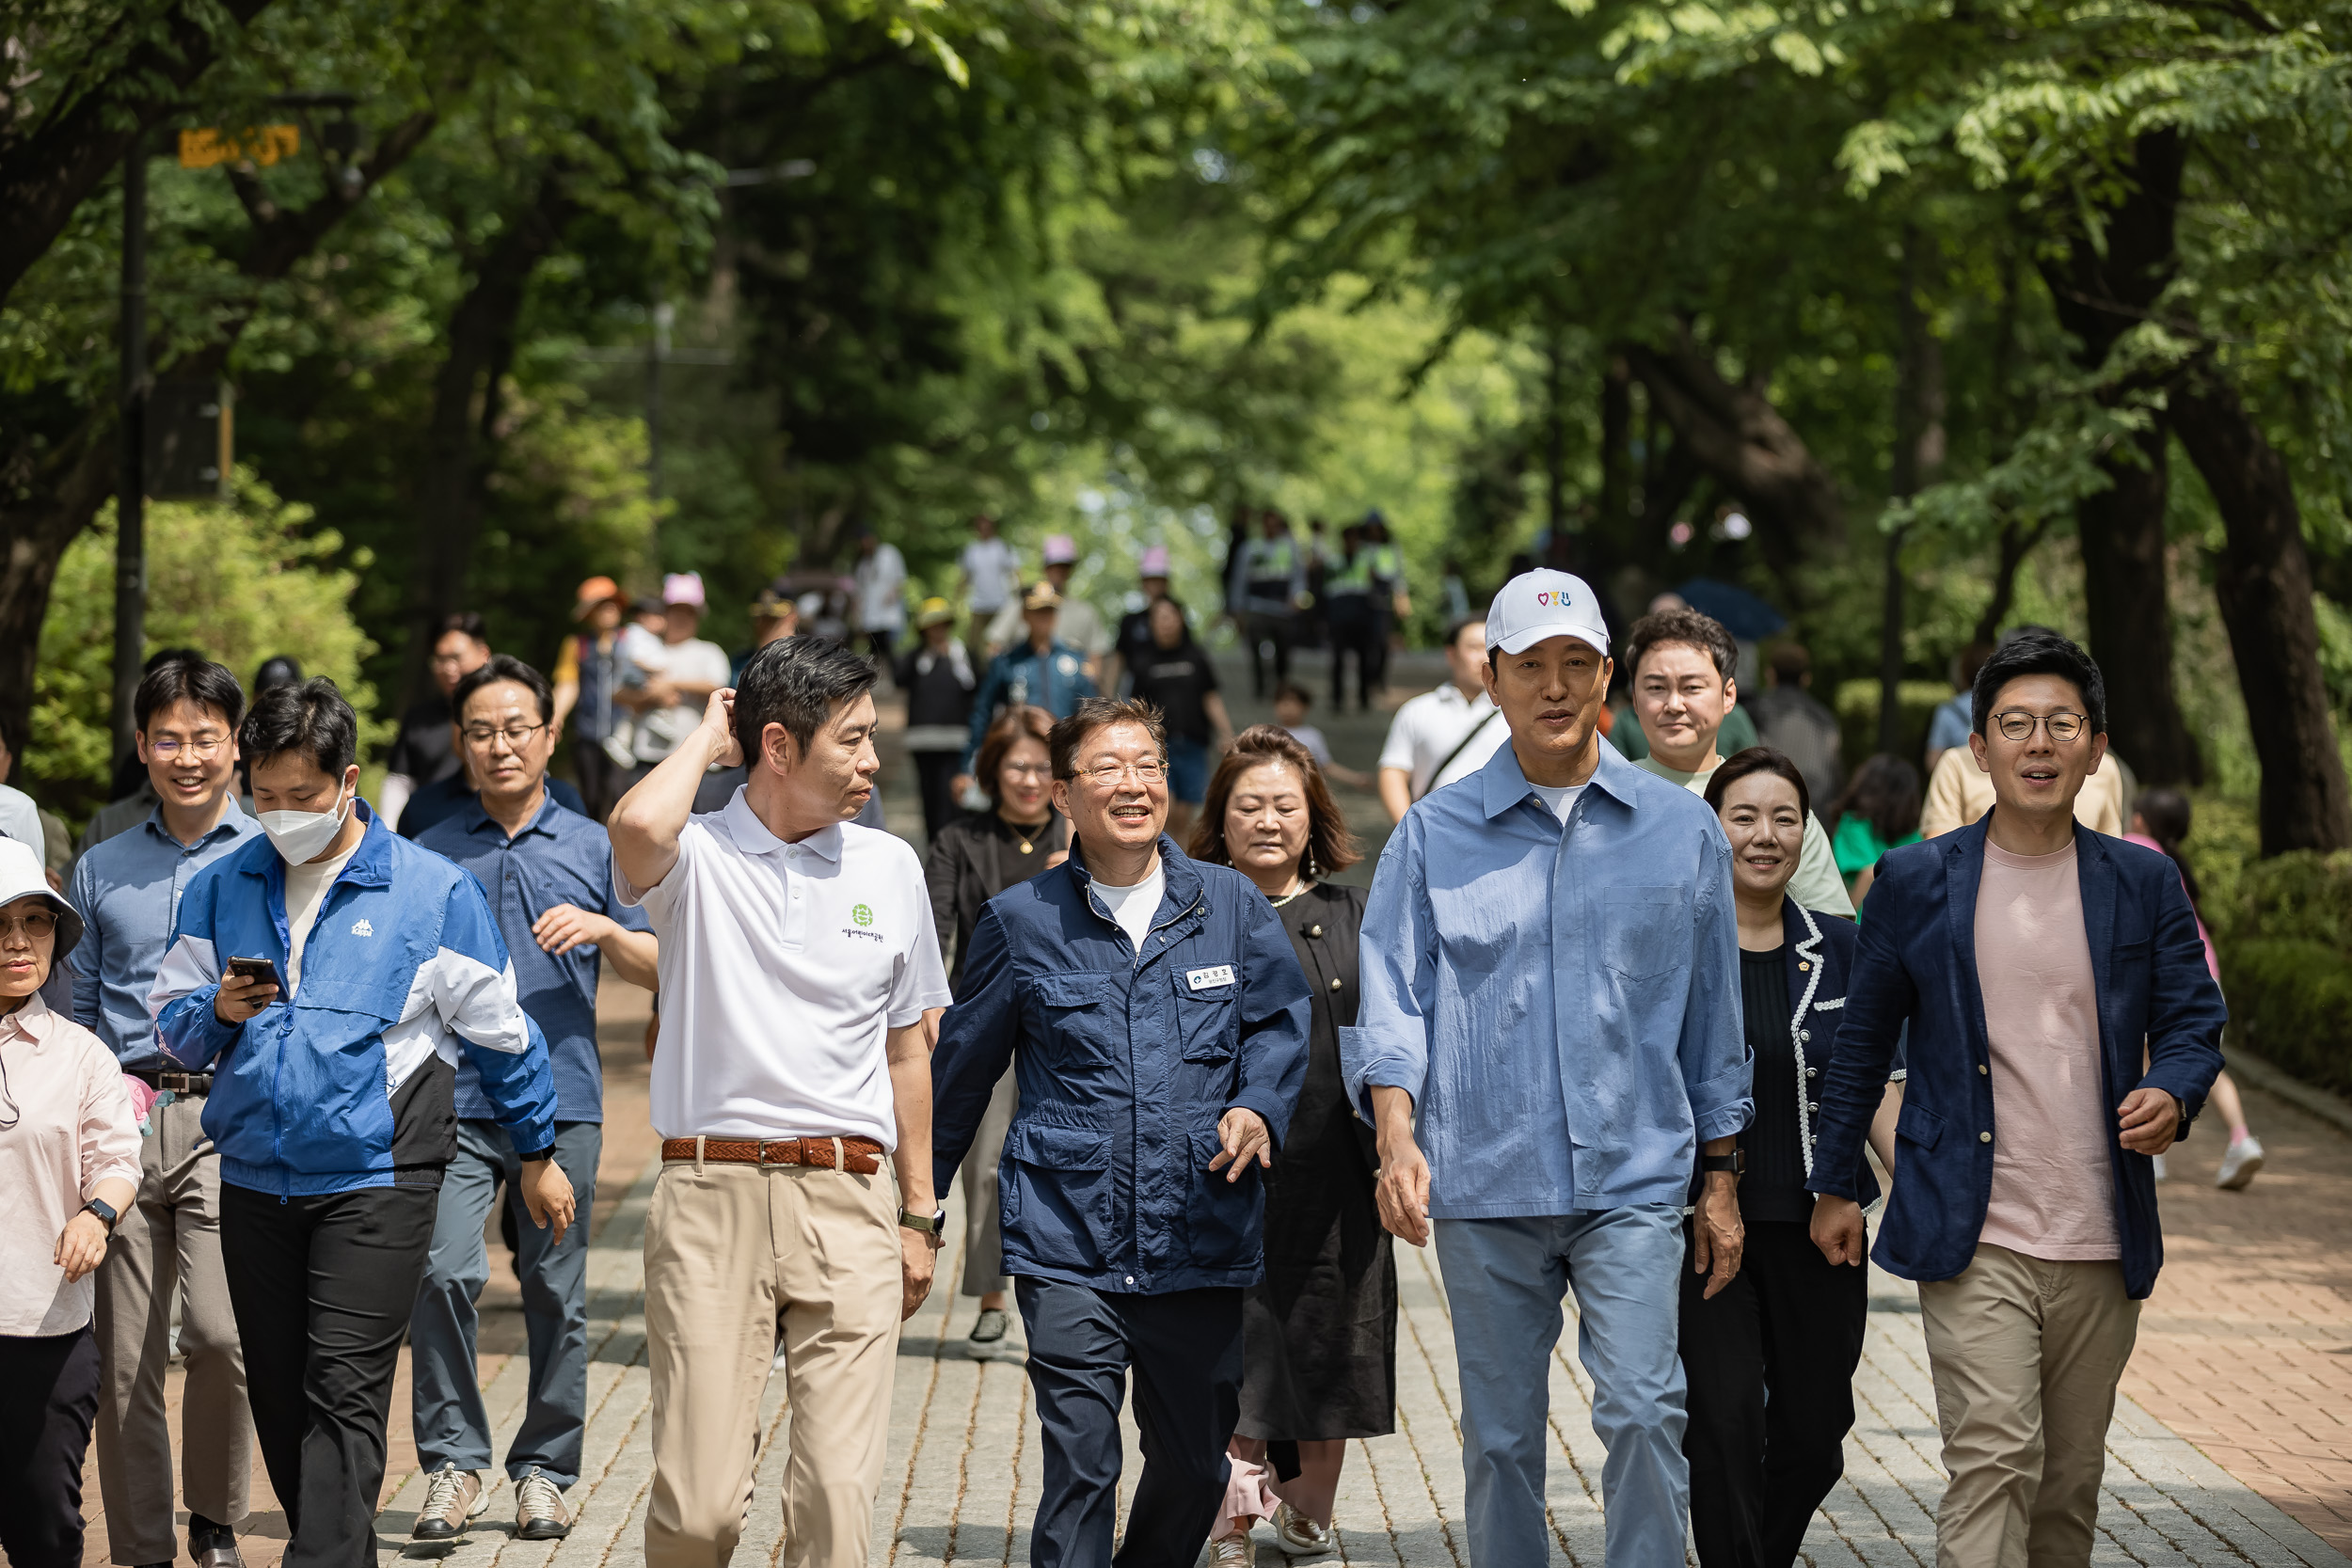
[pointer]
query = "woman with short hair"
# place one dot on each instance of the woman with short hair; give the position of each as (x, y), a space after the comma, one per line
(70, 1165)
(1319, 1332)
(972, 859)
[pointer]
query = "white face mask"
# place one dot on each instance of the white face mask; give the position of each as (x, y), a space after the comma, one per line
(299, 835)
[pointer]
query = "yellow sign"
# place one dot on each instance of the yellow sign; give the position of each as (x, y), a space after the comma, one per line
(263, 145)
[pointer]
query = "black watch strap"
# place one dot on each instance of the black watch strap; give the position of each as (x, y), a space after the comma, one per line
(106, 1212)
(1736, 1162)
(547, 1153)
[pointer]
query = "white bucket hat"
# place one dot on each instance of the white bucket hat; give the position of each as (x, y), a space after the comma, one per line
(21, 876)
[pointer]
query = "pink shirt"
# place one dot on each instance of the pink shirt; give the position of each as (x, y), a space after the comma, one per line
(2053, 1183)
(75, 1129)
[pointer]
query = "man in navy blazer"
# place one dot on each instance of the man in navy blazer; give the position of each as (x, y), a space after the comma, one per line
(2063, 1030)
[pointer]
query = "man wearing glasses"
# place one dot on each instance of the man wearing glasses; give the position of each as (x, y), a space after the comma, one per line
(2034, 960)
(166, 1246)
(549, 873)
(1156, 1017)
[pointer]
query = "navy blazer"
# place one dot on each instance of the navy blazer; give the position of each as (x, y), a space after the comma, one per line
(1819, 959)
(1916, 963)
(1125, 1063)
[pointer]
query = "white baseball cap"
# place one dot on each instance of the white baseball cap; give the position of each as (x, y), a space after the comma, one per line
(1537, 605)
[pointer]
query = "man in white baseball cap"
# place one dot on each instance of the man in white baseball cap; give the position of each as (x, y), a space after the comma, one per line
(1548, 1035)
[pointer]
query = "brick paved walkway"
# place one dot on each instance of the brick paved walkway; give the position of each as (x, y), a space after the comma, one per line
(2246, 1354)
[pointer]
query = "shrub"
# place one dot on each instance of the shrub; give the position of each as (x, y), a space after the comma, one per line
(2286, 963)
(241, 580)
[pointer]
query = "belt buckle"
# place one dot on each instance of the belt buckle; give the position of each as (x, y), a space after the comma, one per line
(780, 1152)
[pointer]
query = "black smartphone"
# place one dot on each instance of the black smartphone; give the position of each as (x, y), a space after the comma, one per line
(260, 971)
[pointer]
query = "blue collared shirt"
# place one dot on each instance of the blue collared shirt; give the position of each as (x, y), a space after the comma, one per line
(1560, 1001)
(127, 891)
(559, 857)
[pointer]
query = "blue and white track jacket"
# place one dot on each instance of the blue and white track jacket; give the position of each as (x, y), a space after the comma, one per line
(349, 1082)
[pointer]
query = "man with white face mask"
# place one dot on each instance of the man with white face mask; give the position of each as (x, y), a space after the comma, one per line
(333, 1104)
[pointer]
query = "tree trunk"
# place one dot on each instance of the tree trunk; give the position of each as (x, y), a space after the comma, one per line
(1738, 437)
(54, 480)
(2104, 286)
(1918, 455)
(460, 440)
(51, 168)
(2263, 579)
(2015, 544)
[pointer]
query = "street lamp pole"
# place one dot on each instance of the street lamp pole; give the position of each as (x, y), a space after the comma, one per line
(130, 501)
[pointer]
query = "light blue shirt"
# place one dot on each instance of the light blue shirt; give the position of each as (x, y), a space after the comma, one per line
(1560, 1001)
(1954, 718)
(127, 891)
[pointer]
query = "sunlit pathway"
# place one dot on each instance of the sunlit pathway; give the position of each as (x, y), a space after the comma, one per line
(964, 1466)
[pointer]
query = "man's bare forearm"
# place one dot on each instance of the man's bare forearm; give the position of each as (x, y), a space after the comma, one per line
(1392, 1115)
(911, 1107)
(1396, 792)
(647, 824)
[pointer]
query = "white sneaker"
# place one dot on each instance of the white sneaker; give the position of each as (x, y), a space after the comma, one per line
(2239, 1166)
(1299, 1535)
(2157, 1161)
(1232, 1551)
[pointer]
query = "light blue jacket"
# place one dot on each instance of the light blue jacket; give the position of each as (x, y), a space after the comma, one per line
(1054, 680)
(1560, 1001)
(404, 970)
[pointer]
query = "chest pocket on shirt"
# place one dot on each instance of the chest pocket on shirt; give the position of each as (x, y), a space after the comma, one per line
(1084, 1017)
(1205, 1018)
(1645, 931)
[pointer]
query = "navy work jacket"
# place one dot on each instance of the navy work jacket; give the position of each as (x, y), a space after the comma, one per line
(1917, 960)
(1126, 1061)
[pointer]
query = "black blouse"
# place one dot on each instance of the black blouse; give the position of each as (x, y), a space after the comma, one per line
(973, 860)
(1774, 1187)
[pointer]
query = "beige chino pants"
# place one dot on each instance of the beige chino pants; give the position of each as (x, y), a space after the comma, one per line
(2026, 1355)
(168, 1245)
(732, 1253)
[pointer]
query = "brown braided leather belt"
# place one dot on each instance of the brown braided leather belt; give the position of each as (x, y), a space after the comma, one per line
(858, 1156)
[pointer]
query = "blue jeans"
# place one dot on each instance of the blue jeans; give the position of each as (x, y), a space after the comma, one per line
(452, 1424)
(1188, 770)
(1505, 1280)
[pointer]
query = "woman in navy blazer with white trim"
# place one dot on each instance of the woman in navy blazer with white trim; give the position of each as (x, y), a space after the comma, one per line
(1769, 1357)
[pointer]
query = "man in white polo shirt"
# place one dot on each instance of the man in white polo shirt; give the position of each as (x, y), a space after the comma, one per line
(797, 955)
(1444, 735)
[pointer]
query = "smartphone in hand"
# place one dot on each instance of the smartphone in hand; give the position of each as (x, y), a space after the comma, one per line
(260, 971)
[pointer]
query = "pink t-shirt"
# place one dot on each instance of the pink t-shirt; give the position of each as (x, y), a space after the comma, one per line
(2053, 1184)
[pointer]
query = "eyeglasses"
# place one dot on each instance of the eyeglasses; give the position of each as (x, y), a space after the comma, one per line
(515, 736)
(2063, 727)
(1106, 775)
(35, 924)
(204, 750)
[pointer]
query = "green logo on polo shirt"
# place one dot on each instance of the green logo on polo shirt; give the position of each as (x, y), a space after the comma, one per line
(863, 915)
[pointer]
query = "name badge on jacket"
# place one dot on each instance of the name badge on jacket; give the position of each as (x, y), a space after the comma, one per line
(1217, 974)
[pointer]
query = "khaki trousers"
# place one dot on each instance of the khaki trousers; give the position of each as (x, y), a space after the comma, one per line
(2026, 1355)
(168, 1245)
(733, 1253)
(983, 1208)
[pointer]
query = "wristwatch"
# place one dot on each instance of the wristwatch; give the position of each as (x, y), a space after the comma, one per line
(106, 1212)
(933, 1225)
(532, 1159)
(1736, 1162)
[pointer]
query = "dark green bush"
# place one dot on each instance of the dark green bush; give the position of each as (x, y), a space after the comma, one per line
(2286, 963)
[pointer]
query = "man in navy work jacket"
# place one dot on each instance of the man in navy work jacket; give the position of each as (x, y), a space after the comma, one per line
(2034, 960)
(332, 1103)
(1157, 1020)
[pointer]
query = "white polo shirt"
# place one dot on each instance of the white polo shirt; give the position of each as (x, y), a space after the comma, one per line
(783, 965)
(1431, 725)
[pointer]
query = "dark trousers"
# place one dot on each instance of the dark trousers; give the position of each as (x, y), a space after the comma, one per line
(1770, 1363)
(602, 781)
(1184, 1351)
(48, 1399)
(323, 1289)
(935, 773)
(1270, 638)
(1355, 628)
